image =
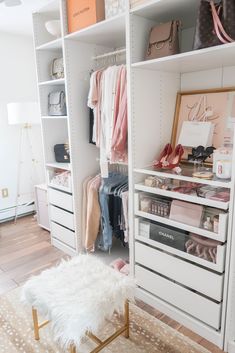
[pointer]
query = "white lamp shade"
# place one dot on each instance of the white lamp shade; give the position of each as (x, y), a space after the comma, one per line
(23, 113)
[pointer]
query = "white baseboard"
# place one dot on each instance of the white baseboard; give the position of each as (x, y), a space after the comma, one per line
(8, 214)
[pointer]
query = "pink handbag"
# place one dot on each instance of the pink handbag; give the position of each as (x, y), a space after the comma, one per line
(185, 212)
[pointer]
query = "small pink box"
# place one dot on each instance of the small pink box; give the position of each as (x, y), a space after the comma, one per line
(186, 212)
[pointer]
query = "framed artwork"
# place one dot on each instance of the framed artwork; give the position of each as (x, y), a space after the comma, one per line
(214, 108)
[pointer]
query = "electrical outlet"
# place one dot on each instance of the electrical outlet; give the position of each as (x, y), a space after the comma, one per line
(5, 193)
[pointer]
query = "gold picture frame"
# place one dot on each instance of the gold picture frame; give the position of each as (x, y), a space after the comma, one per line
(217, 101)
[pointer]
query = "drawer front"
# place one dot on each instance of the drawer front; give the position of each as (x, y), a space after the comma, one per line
(62, 217)
(63, 234)
(191, 303)
(192, 276)
(43, 215)
(61, 199)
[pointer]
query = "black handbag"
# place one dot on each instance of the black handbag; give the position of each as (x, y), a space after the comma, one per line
(62, 154)
(215, 23)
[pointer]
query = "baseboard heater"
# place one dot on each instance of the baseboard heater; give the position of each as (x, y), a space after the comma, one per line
(8, 214)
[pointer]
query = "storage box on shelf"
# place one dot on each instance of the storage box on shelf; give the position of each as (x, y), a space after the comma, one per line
(84, 13)
(59, 179)
(159, 209)
(220, 249)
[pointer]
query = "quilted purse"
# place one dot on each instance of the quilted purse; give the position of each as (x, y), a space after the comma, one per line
(163, 40)
(215, 23)
(57, 103)
(62, 154)
(57, 68)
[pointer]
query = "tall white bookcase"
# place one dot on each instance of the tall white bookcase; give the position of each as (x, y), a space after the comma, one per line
(197, 293)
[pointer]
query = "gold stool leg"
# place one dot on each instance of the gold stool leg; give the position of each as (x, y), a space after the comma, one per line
(35, 324)
(72, 349)
(127, 320)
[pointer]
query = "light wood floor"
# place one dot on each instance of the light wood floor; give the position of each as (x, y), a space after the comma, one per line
(25, 250)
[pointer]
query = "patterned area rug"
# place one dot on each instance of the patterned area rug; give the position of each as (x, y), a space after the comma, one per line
(147, 335)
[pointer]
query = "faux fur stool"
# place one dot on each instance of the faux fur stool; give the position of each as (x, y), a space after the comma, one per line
(77, 297)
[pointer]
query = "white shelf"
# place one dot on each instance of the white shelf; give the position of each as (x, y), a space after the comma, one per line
(183, 197)
(166, 10)
(65, 166)
(52, 117)
(221, 249)
(215, 183)
(197, 60)
(52, 45)
(110, 33)
(200, 231)
(60, 81)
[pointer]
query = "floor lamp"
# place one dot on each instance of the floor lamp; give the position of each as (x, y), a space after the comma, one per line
(24, 114)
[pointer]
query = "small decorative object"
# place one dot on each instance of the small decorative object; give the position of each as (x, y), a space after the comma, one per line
(57, 103)
(206, 106)
(208, 224)
(215, 23)
(223, 169)
(216, 224)
(204, 174)
(57, 68)
(54, 28)
(114, 7)
(163, 40)
(145, 204)
(62, 154)
(84, 13)
(200, 154)
(223, 153)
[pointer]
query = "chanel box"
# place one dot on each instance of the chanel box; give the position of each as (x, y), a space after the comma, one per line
(168, 235)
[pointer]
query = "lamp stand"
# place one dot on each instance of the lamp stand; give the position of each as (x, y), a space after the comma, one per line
(24, 130)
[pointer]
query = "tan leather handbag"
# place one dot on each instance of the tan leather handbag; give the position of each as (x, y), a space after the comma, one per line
(163, 40)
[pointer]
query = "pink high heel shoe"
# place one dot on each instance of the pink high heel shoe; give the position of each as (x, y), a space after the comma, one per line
(163, 157)
(174, 158)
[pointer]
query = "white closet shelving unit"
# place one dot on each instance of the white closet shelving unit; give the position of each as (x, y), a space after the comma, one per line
(80, 51)
(191, 290)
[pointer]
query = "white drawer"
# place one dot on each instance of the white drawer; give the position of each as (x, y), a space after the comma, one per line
(191, 303)
(63, 234)
(61, 199)
(41, 194)
(220, 256)
(192, 276)
(62, 217)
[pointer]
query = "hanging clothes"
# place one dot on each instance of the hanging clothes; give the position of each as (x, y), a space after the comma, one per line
(107, 188)
(108, 99)
(105, 213)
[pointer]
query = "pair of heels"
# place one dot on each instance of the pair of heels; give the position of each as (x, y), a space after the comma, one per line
(168, 158)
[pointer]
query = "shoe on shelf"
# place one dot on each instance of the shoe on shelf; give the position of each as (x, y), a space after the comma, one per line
(174, 159)
(157, 163)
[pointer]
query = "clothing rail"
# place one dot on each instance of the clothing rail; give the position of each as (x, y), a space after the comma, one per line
(113, 53)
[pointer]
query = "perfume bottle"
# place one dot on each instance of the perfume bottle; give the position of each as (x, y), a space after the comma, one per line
(208, 224)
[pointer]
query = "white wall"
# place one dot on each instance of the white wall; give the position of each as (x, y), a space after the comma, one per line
(17, 83)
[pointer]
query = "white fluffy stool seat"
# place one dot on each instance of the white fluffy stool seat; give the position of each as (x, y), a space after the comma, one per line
(77, 296)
